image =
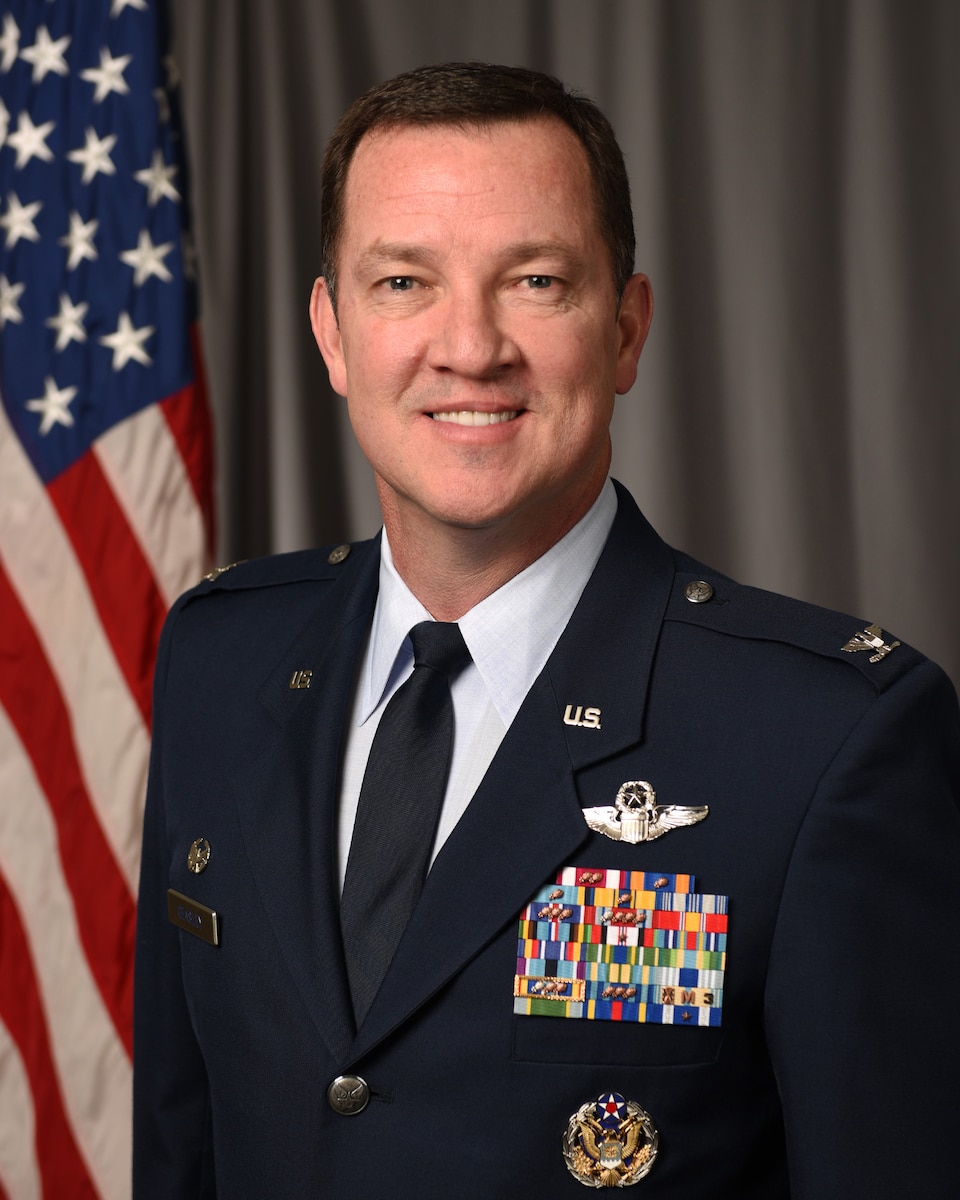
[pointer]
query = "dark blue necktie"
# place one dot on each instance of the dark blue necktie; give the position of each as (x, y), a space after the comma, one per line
(400, 801)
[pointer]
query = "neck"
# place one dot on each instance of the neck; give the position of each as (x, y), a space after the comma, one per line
(450, 569)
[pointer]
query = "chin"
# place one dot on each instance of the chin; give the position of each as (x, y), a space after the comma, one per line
(471, 516)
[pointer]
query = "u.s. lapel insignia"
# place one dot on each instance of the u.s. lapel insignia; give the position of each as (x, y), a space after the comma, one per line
(871, 639)
(610, 1142)
(583, 718)
(635, 815)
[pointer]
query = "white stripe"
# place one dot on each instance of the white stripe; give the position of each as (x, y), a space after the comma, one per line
(19, 1174)
(111, 738)
(142, 462)
(94, 1071)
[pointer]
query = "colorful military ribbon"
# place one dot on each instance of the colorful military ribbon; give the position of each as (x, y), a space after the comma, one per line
(622, 946)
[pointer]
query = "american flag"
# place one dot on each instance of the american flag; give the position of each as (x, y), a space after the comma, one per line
(105, 516)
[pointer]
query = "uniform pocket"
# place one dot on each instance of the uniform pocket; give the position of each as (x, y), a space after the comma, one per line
(612, 1043)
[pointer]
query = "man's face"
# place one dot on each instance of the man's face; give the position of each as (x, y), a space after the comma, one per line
(479, 342)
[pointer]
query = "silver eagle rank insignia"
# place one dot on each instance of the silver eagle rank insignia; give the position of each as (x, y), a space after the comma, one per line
(610, 1142)
(635, 815)
(871, 639)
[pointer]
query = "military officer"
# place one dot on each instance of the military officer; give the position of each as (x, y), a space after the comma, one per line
(514, 852)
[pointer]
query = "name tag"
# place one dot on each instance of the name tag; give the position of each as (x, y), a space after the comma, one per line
(622, 946)
(193, 917)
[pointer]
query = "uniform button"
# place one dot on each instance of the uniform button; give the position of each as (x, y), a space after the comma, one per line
(337, 555)
(348, 1095)
(698, 592)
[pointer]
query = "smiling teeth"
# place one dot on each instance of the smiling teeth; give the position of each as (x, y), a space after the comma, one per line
(466, 416)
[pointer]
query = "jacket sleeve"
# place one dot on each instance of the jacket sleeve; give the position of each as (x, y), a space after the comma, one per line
(172, 1140)
(861, 1001)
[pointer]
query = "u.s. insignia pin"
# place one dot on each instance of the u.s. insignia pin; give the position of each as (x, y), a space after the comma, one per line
(610, 1142)
(635, 815)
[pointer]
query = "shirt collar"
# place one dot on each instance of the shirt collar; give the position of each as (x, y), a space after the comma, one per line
(510, 634)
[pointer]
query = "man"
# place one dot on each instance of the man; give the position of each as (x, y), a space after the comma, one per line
(688, 922)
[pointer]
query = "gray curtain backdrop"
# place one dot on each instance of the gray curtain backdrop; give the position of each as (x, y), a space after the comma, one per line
(796, 178)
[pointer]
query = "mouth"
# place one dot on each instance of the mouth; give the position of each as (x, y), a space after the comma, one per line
(468, 416)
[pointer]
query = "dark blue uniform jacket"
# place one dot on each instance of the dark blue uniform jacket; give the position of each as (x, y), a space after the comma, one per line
(833, 828)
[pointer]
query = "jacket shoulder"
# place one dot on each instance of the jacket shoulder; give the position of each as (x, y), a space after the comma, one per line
(708, 599)
(279, 570)
(279, 589)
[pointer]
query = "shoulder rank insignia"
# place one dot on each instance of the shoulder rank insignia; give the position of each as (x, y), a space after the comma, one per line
(635, 815)
(610, 1142)
(215, 574)
(871, 639)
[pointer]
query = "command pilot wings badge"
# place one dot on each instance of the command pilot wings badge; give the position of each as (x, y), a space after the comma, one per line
(635, 815)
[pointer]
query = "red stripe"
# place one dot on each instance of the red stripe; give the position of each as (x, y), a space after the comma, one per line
(120, 579)
(104, 907)
(62, 1170)
(187, 412)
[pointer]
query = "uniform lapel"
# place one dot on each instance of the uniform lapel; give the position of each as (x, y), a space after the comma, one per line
(526, 821)
(286, 798)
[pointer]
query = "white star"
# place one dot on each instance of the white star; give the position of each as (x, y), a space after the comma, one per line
(126, 343)
(95, 155)
(4, 122)
(79, 241)
(30, 141)
(119, 5)
(108, 77)
(68, 322)
(18, 220)
(46, 55)
(157, 179)
(10, 294)
(147, 259)
(9, 43)
(53, 404)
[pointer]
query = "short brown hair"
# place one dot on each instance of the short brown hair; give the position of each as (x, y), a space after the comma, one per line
(475, 94)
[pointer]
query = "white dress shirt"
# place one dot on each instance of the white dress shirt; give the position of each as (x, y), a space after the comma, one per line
(510, 635)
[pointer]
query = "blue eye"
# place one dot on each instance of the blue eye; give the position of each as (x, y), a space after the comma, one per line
(400, 283)
(540, 282)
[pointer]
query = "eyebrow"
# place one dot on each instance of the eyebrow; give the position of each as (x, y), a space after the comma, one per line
(382, 254)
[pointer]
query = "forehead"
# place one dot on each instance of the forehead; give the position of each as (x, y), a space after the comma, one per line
(532, 170)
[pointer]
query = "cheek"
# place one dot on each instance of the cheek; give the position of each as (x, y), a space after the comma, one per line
(579, 370)
(579, 356)
(382, 361)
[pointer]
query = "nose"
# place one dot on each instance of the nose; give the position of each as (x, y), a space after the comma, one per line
(471, 338)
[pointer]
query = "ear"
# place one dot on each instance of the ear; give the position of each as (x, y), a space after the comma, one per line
(323, 322)
(636, 313)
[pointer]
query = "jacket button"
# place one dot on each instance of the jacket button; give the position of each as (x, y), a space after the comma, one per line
(699, 592)
(348, 1095)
